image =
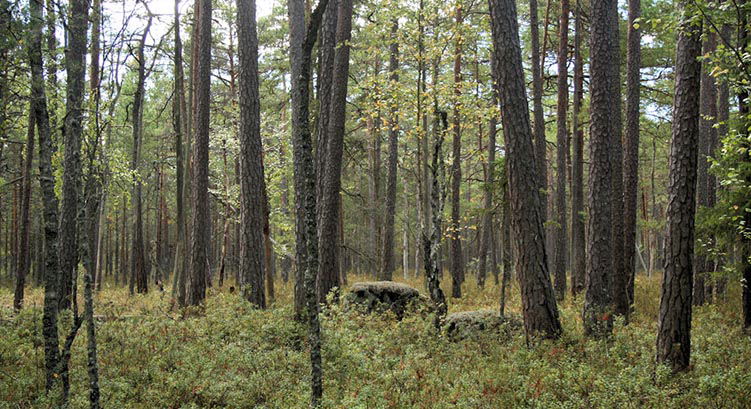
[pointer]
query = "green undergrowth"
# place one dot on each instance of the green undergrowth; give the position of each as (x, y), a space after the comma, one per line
(230, 355)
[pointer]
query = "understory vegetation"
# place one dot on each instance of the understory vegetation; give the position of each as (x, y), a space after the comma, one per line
(229, 354)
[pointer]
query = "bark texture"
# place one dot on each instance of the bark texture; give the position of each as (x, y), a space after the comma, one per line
(201, 234)
(674, 320)
(49, 199)
(597, 315)
(578, 240)
(328, 271)
(75, 67)
(251, 155)
(387, 264)
(559, 262)
(631, 146)
(538, 300)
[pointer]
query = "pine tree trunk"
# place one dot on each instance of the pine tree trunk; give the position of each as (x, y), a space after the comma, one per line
(138, 256)
(24, 256)
(201, 234)
(597, 315)
(621, 277)
(329, 240)
(578, 240)
(457, 259)
(704, 181)
(631, 146)
(674, 321)
(298, 90)
(539, 116)
(251, 153)
(387, 264)
(538, 300)
(561, 246)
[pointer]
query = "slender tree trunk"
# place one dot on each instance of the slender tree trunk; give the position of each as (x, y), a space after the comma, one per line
(138, 256)
(201, 235)
(578, 240)
(621, 277)
(387, 264)
(328, 270)
(49, 199)
(24, 256)
(707, 134)
(723, 116)
(538, 300)
(539, 115)
(251, 153)
(179, 122)
(631, 146)
(674, 322)
(431, 234)
(298, 91)
(745, 245)
(488, 213)
(305, 182)
(75, 67)
(562, 149)
(457, 259)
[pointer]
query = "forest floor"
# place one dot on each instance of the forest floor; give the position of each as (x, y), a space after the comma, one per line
(230, 355)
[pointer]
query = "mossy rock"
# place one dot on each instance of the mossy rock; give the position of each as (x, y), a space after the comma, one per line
(467, 324)
(382, 296)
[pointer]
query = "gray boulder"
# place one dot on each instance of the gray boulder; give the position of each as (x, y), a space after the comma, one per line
(466, 324)
(382, 296)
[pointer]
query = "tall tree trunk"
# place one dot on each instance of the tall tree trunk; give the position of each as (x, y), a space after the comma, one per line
(744, 111)
(540, 149)
(597, 313)
(488, 213)
(299, 90)
(24, 256)
(674, 321)
(707, 134)
(538, 300)
(326, 50)
(328, 270)
(457, 260)
(578, 241)
(305, 183)
(723, 116)
(387, 264)
(561, 246)
(179, 125)
(201, 234)
(49, 199)
(75, 67)
(251, 153)
(631, 146)
(138, 256)
(621, 278)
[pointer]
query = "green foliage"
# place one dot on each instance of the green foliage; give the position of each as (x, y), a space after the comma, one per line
(232, 355)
